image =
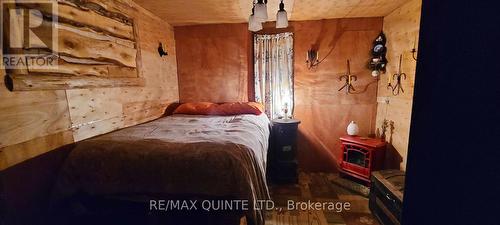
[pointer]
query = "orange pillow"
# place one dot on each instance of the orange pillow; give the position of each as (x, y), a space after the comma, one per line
(197, 108)
(224, 109)
(237, 108)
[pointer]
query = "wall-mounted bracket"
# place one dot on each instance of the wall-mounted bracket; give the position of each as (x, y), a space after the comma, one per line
(161, 51)
(349, 78)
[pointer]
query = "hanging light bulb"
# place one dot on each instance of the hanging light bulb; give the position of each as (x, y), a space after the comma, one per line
(254, 24)
(281, 17)
(261, 11)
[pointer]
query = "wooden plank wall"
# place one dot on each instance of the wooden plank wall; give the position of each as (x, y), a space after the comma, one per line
(324, 112)
(34, 122)
(401, 28)
(213, 62)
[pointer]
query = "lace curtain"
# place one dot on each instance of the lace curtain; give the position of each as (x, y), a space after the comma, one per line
(273, 68)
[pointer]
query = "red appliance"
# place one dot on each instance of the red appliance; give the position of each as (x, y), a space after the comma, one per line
(361, 156)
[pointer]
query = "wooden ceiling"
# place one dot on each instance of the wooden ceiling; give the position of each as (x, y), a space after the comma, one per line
(189, 12)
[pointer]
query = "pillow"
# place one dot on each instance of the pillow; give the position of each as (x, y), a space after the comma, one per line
(197, 108)
(224, 109)
(237, 108)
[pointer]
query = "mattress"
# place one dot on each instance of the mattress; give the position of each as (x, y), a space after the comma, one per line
(179, 154)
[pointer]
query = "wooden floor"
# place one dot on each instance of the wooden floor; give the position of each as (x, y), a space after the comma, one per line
(319, 187)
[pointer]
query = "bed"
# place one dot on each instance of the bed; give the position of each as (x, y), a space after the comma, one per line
(178, 154)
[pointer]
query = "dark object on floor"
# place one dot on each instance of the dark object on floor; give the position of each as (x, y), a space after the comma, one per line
(282, 157)
(84, 209)
(386, 196)
(26, 186)
(318, 187)
(361, 156)
(352, 186)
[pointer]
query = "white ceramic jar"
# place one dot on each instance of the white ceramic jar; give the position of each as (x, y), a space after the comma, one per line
(352, 129)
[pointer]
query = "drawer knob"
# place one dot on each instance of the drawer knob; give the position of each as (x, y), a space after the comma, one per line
(389, 198)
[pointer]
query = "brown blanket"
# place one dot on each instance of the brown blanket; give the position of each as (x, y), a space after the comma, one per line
(180, 154)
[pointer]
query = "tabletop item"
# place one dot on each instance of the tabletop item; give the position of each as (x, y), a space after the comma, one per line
(352, 129)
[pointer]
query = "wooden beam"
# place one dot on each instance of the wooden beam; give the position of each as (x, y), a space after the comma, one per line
(53, 82)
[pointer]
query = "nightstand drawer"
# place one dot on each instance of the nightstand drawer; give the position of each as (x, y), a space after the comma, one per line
(285, 134)
(285, 152)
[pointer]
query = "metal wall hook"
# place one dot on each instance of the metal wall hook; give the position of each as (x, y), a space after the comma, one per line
(398, 77)
(414, 49)
(161, 52)
(348, 79)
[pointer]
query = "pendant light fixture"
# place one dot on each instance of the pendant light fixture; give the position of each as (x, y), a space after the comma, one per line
(261, 10)
(254, 24)
(281, 17)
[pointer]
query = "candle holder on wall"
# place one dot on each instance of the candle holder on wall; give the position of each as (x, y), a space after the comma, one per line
(414, 49)
(349, 78)
(312, 58)
(397, 88)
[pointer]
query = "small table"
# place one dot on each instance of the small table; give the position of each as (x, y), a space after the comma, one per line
(282, 163)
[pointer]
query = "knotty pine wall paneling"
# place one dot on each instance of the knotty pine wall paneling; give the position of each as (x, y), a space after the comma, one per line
(401, 28)
(34, 122)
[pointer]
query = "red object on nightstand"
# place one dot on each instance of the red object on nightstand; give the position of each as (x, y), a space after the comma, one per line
(361, 156)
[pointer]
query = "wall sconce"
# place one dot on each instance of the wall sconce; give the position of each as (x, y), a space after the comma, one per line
(312, 58)
(161, 51)
(414, 49)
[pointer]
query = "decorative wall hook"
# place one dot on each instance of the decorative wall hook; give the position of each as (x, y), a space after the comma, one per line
(161, 51)
(389, 84)
(348, 79)
(397, 77)
(414, 49)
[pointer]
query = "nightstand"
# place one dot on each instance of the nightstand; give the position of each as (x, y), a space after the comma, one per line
(282, 163)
